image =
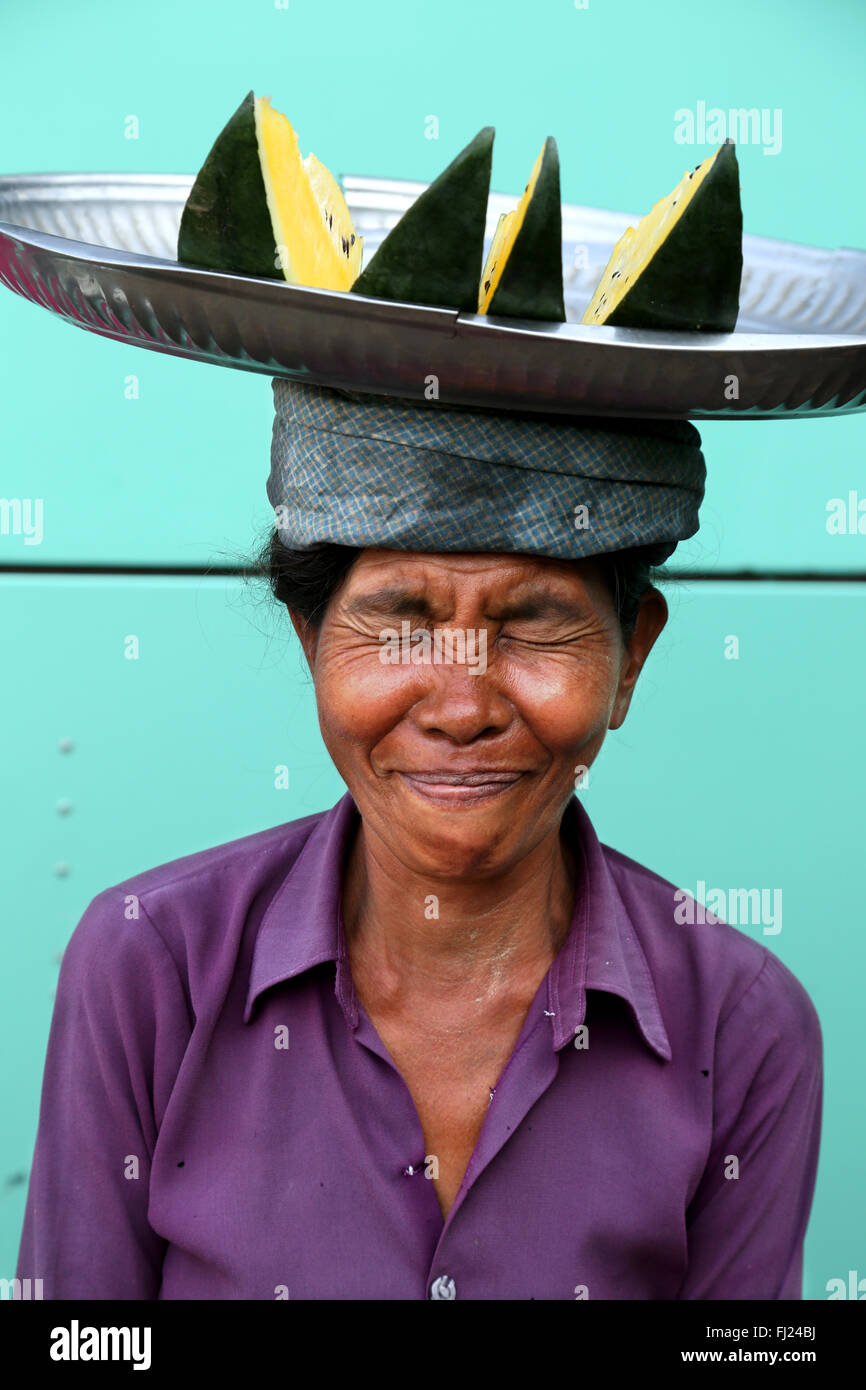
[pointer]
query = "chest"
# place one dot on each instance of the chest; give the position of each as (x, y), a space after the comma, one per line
(450, 1072)
(282, 1167)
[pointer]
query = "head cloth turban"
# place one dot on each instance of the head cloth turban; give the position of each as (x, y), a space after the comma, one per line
(373, 470)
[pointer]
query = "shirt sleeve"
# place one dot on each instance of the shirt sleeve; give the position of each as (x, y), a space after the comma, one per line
(747, 1220)
(118, 1032)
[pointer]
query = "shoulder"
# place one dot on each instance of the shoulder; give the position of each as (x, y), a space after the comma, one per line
(187, 909)
(695, 955)
(249, 860)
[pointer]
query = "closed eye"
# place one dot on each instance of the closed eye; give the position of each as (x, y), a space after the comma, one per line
(534, 641)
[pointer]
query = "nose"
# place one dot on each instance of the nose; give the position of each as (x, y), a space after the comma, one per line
(462, 706)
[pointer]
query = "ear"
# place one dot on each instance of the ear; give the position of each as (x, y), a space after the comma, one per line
(308, 637)
(651, 618)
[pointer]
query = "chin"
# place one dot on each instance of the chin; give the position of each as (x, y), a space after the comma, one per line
(456, 848)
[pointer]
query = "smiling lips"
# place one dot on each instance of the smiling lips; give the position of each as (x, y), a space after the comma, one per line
(451, 788)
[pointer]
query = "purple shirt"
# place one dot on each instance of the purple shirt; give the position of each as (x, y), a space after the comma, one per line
(220, 1119)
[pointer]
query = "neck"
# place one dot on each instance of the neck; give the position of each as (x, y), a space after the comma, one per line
(492, 937)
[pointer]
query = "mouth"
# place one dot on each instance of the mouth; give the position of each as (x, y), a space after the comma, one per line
(460, 788)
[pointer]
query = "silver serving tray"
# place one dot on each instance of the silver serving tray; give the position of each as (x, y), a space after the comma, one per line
(100, 251)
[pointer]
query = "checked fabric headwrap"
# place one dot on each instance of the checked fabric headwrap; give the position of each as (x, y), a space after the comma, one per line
(372, 470)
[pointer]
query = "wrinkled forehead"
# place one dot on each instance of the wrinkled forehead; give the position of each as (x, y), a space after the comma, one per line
(390, 580)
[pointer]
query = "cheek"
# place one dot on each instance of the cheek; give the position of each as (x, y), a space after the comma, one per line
(358, 696)
(560, 703)
(566, 703)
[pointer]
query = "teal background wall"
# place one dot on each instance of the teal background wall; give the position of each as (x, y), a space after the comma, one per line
(738, 772)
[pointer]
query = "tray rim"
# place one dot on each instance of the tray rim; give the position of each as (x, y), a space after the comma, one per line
(665, 339)
(368, 183)
(544, 335)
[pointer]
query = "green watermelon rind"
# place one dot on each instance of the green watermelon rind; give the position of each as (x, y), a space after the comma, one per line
(434, 253)
(226, 222)
(530, 286)
(708, 241)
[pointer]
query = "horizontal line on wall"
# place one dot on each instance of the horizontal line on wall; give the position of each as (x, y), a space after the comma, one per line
(185, 571)
(773, 576)
(224, 571)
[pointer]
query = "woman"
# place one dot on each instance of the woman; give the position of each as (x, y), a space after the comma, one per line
(437, 1041)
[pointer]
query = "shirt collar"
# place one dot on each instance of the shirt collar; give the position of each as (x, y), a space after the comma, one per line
(302, 927)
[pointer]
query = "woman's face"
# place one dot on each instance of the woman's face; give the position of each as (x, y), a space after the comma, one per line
(462, 750)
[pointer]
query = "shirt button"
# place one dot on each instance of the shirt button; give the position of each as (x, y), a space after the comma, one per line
(443, 1287)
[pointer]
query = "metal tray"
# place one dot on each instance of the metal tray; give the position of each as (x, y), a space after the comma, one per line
(100, 251)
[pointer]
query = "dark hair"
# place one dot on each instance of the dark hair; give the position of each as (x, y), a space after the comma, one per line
(306, 580)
